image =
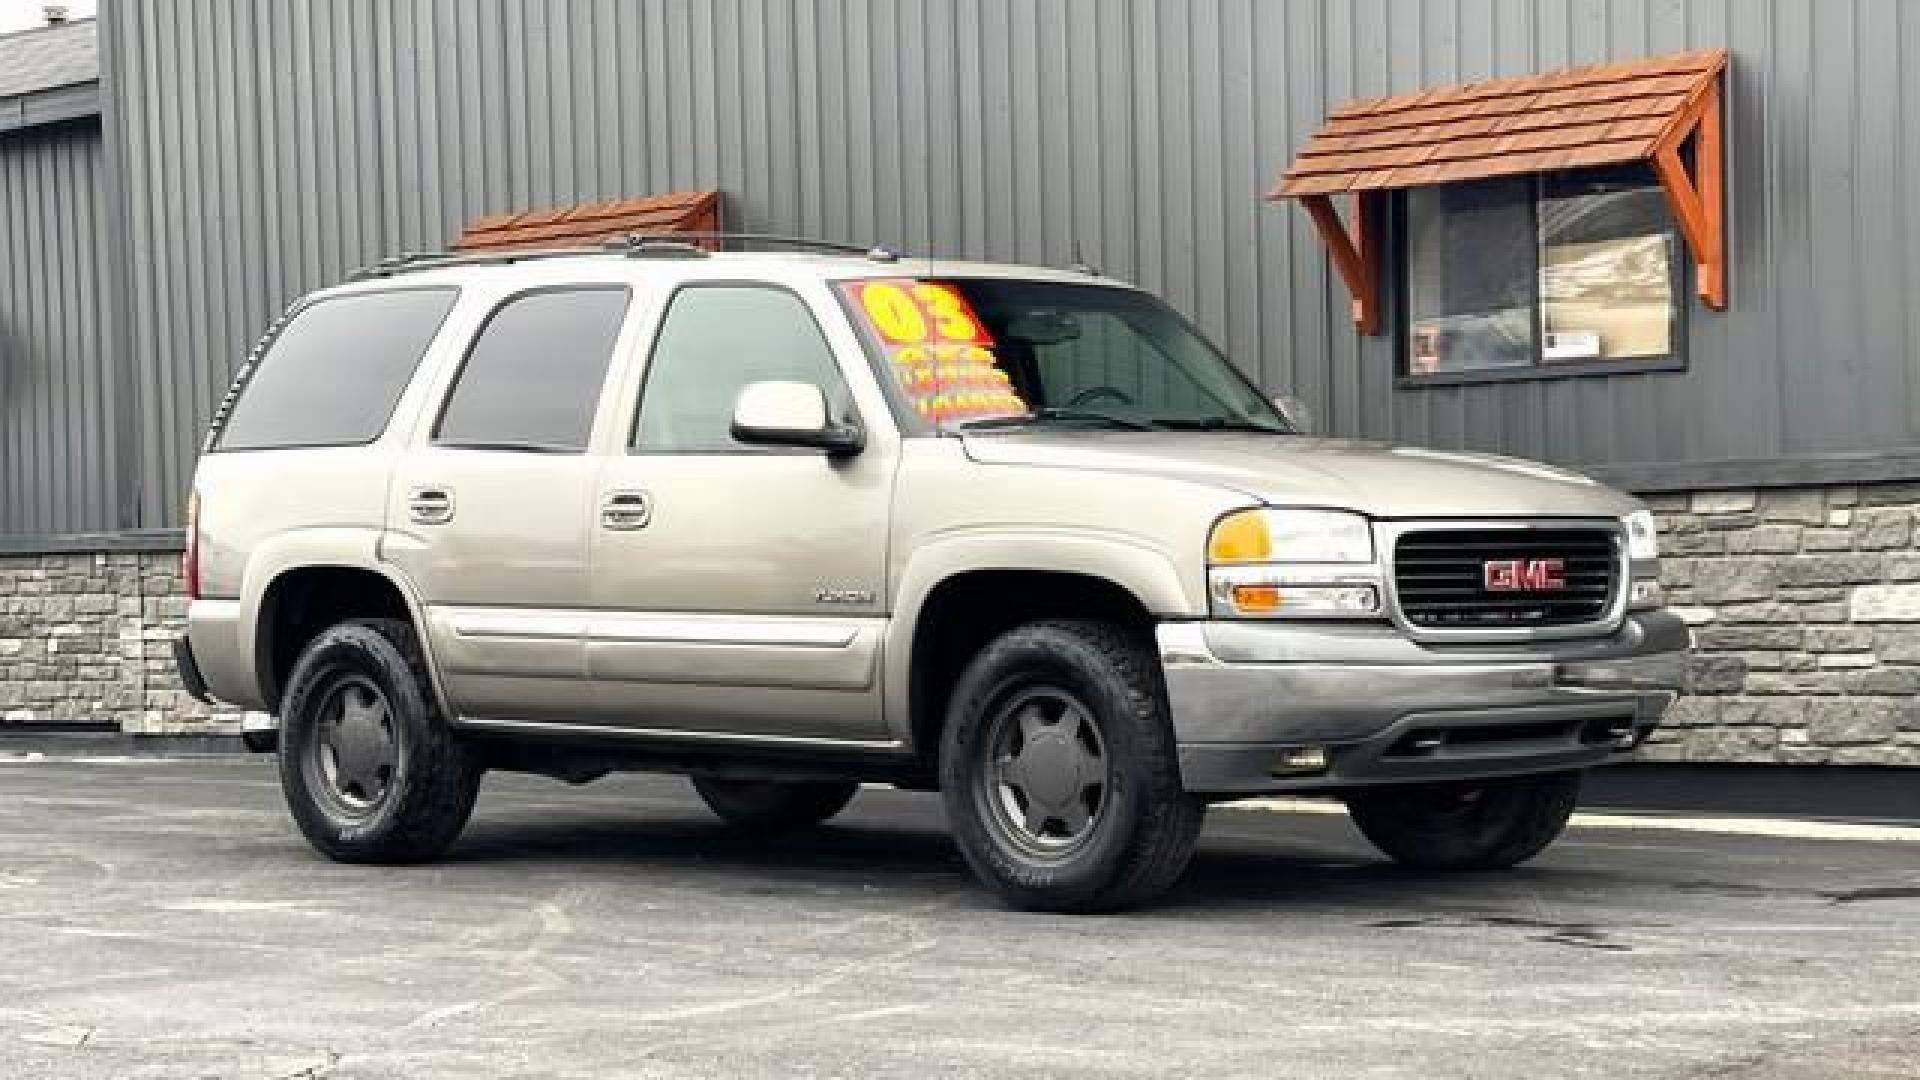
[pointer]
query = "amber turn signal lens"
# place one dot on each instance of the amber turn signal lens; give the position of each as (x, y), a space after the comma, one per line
(1256, 599)
(1240, 538)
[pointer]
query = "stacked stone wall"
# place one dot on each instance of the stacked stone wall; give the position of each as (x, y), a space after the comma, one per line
(1805, 607)
(87, 639)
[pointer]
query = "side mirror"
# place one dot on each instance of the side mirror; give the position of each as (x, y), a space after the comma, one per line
(1298, 415)
(791, 414)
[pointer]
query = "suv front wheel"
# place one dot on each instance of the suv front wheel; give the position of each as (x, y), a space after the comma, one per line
(1483, 825)
(1059, 772)
(372, 773)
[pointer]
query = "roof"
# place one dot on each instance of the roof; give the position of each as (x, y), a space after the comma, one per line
(1599, 115)
(590, 223)
(48, 57)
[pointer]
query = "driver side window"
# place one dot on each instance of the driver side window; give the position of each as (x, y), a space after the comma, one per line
(714, 341)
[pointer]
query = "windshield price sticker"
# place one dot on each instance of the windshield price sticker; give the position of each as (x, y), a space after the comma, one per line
(938, 349)
(919, 313)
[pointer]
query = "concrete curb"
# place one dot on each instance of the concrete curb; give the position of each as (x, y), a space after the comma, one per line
(1831, 792)
(86, 744)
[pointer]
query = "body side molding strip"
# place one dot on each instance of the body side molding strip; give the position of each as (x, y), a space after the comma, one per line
(473, 723)
(766, 631)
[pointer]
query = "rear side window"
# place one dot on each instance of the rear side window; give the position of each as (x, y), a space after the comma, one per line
(534, 374)
(335, 371)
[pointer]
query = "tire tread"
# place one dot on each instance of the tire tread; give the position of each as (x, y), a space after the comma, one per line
(778, 806)
(442, 780)
(1162, 841)
(1530, 812)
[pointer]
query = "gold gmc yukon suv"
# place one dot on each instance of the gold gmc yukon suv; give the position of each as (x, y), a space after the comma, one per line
(790, 521)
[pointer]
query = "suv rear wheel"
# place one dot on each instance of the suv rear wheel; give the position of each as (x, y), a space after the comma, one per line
(370, 769)
(773, 805)
(1059, 772)
(1483, 825)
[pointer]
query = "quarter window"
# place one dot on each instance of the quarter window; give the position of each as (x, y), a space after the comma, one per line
(336, 370)
(1541, 272)
(533, 376)
(714, 341)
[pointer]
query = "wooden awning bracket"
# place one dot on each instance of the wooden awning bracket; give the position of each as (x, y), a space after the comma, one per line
(1698, 202)
(1354, 252)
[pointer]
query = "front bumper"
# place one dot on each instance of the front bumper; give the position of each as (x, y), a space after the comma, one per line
(1386, 709)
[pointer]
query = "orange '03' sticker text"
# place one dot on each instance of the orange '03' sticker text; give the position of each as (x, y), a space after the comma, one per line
(937, 348)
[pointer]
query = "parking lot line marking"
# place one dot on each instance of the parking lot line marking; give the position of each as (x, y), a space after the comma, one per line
(1776, 828)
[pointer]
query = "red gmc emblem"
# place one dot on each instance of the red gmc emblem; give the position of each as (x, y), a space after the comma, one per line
(1524, 575)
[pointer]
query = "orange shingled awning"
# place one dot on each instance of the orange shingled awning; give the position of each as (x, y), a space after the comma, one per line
(593, 223)
(1607, 114)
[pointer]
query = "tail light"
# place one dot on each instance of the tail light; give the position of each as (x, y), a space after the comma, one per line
(190, 558)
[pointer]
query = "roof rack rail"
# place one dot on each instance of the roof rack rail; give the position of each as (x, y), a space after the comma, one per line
(634, 243)
(410, 261)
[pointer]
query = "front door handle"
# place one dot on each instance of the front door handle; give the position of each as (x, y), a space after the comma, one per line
(625, 511)
(430, 505)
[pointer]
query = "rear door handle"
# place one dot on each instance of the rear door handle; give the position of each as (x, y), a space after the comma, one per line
(430, 505)
(625, 511)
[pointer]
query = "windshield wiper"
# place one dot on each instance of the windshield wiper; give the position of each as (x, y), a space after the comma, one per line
(1222, 423)
(1057, 412)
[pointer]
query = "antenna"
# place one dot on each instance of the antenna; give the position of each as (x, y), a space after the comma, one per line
(1080, 265)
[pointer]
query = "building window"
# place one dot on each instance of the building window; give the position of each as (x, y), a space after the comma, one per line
(1542, 274)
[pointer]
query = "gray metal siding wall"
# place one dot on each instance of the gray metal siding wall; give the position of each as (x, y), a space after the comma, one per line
(271, 147)
(57, 392)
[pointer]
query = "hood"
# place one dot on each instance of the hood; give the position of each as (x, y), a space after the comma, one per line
(1377, 479)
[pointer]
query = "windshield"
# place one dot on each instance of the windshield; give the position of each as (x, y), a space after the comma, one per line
(987, 352)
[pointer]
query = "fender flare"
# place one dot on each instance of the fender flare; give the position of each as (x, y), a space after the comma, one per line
(344, 548)
(1146, 572)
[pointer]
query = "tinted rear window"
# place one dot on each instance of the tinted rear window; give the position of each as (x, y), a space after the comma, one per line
(336, 370)
(532, 379)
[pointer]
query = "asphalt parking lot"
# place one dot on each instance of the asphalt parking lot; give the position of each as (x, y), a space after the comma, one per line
(162, 919)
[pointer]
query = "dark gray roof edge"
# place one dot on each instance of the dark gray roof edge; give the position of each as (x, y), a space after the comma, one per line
(73, 101)
(1810, 470)
(54, 87)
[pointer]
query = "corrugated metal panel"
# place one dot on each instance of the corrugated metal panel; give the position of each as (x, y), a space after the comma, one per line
(272, 147)
(57, 394)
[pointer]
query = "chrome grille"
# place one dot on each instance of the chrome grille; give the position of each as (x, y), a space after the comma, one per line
(1440, 577)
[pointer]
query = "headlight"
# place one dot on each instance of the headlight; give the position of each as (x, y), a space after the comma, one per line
(1643, 540)
(1270, 535)
(1276, 563)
